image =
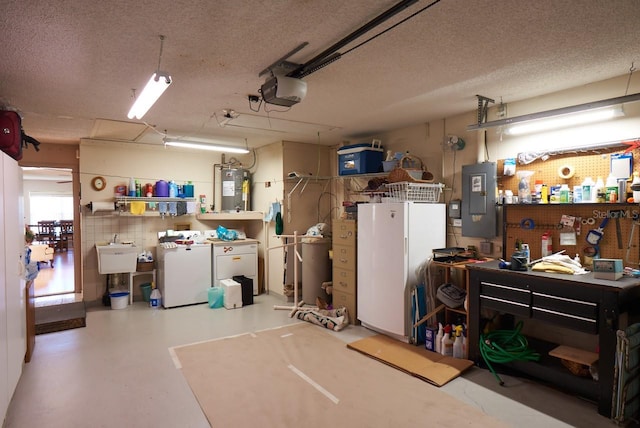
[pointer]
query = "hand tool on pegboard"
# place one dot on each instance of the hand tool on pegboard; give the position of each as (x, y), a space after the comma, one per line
(635, 223)
(594, 236)
(616, 214)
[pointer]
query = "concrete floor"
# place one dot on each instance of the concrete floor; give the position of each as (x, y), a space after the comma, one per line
(117, 372)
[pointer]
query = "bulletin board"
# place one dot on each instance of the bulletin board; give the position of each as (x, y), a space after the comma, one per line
(526, 223)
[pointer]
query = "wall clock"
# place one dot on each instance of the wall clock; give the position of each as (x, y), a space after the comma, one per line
(98, 183)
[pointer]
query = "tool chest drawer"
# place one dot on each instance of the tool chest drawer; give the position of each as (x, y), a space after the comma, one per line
(566, 312)
(508, 298)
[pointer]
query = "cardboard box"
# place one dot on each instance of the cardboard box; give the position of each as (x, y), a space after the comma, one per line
(359, 159)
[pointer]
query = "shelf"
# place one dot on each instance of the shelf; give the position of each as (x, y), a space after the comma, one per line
(123, 201)
(241, 215)
(128, 199)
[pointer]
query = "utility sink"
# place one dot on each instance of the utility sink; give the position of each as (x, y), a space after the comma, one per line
(117, 258)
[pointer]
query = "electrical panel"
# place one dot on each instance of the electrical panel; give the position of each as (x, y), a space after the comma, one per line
(478, 209)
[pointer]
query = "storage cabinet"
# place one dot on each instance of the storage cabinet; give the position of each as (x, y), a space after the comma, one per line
(344, 266)
(575, 302)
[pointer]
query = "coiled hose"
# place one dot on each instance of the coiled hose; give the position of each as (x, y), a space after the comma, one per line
(505, 346)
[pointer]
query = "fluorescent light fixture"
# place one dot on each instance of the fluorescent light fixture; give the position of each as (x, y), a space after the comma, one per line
(565, 121)
(205, 146)
(618, 101)
(158, 83)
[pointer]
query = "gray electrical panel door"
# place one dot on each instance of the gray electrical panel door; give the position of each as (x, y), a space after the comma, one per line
(479, 213)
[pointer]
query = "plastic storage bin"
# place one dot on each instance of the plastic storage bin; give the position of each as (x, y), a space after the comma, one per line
(360, 158)
(232, 294)
(216, 297)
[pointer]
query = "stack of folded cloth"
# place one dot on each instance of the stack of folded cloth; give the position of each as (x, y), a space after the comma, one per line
(559, 263)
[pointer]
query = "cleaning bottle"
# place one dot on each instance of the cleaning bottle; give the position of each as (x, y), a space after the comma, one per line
(588, 192)
(447, 343)
(439, 339)
(599, 190)
(155, 298)
(635, 183)
(458, 351)
(611, 189)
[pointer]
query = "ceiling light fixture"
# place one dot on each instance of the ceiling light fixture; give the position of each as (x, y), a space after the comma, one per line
(199, 145)
(565, 121)
(158, 83)
(559, 112)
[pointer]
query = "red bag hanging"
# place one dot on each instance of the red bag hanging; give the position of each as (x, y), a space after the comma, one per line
(11, 134)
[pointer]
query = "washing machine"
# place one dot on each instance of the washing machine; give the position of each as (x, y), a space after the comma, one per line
(232, 258)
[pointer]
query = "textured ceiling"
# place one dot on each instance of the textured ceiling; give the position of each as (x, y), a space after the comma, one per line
(66, 64)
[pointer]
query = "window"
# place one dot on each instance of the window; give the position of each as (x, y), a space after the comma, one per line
(50, 207)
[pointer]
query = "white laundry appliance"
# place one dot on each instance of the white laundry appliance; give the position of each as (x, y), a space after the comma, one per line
(239, 257)
(184, 273)
(393, 240)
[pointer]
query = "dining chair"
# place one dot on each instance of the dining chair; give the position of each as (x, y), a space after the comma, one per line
(47, 233)
(66, 234)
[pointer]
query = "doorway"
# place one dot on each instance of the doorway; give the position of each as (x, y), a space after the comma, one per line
(49, 214)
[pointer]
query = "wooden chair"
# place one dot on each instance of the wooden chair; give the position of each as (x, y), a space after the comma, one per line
(66, 234)
(47, 233)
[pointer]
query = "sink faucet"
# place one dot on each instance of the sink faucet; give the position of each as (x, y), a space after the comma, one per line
(115, 238)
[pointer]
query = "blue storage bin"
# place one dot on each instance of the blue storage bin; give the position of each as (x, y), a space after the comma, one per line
(361, 158)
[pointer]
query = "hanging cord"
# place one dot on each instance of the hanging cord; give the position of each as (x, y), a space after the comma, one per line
(160, 55)
(505, 346)
(631, 70)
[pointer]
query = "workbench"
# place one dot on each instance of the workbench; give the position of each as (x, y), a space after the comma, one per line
(576, 302)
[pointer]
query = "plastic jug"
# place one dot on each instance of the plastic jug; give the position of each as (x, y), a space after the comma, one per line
(155, 300)
(162, 189)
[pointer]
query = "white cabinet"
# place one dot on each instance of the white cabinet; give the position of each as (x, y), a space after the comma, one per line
(236, 258)
(12, 286)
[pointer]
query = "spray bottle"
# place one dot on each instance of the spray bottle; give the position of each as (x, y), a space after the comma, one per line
(458, 351)
(447, 342)
(439, 339)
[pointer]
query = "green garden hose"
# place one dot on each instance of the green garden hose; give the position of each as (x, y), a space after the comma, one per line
(505, 346)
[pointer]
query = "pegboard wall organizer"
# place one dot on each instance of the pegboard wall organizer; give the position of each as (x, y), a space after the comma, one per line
(526, 223)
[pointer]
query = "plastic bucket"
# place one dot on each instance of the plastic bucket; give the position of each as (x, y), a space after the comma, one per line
(146, 291)
(216, 297)
(119, 300)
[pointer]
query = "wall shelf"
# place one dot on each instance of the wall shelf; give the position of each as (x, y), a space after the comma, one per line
(123, 201)
(128, 199)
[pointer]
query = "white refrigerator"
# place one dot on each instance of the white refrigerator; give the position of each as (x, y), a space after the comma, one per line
(393, 240)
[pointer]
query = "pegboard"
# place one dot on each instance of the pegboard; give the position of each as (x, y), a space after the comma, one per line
(527, 222)
(583, 165)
